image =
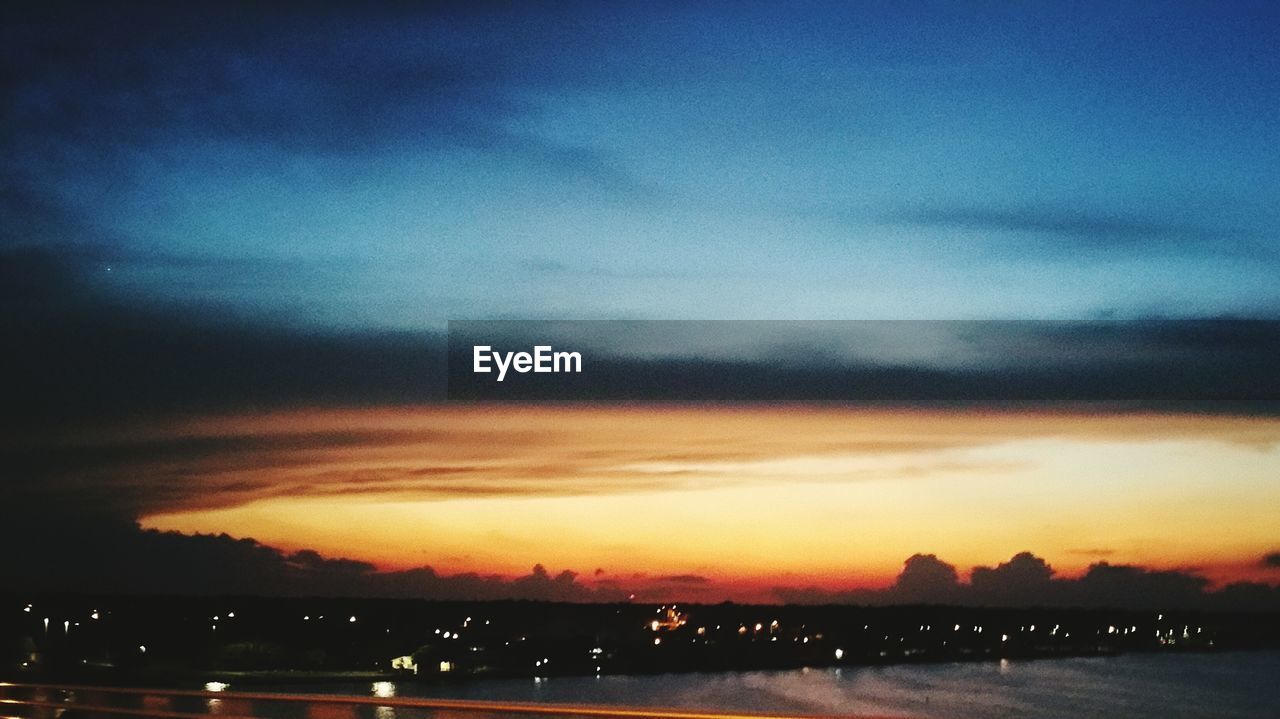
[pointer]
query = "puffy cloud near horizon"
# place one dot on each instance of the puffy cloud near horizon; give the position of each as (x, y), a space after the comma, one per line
(1026, 580)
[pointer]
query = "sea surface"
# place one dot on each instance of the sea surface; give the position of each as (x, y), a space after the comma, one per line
(1136, 686)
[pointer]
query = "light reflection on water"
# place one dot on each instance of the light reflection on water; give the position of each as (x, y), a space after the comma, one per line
(1237, 685)
(384, 690)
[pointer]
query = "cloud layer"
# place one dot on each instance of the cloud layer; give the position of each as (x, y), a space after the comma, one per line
(88, 354)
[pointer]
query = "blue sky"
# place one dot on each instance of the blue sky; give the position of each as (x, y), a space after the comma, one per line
(389, 169)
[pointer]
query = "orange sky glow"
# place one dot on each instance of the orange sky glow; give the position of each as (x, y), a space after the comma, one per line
(748, 497)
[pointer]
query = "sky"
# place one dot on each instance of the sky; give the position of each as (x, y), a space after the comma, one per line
(831, 495)
(231, 236)
(393, 167)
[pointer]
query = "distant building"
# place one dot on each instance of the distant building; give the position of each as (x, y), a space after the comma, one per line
(404, 664)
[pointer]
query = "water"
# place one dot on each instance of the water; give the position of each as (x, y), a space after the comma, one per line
(1137, 686)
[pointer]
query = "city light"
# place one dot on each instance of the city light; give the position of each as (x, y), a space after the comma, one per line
(216, 686)
(668, 645)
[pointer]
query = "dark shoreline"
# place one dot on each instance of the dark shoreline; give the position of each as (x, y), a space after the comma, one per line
(245, 640)
(189, 680)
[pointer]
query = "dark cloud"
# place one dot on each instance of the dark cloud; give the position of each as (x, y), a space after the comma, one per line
(924, 576)
(1128, 586)
(683, 579)
(88, 353)
(65, 552)
(1272, 560)
(30, 275)
(1023, 580)
(1074, 230)
(1028, 581)
(134, 75)
(1092, 552)
(86, 90)
(982, 361)
(84, 352)
(1042, 220)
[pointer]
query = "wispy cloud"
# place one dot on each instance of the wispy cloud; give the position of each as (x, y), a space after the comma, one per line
(440, 452)
(1065, 232)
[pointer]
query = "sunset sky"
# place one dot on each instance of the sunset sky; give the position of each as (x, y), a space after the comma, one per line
(231, 237)
(734, 501)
